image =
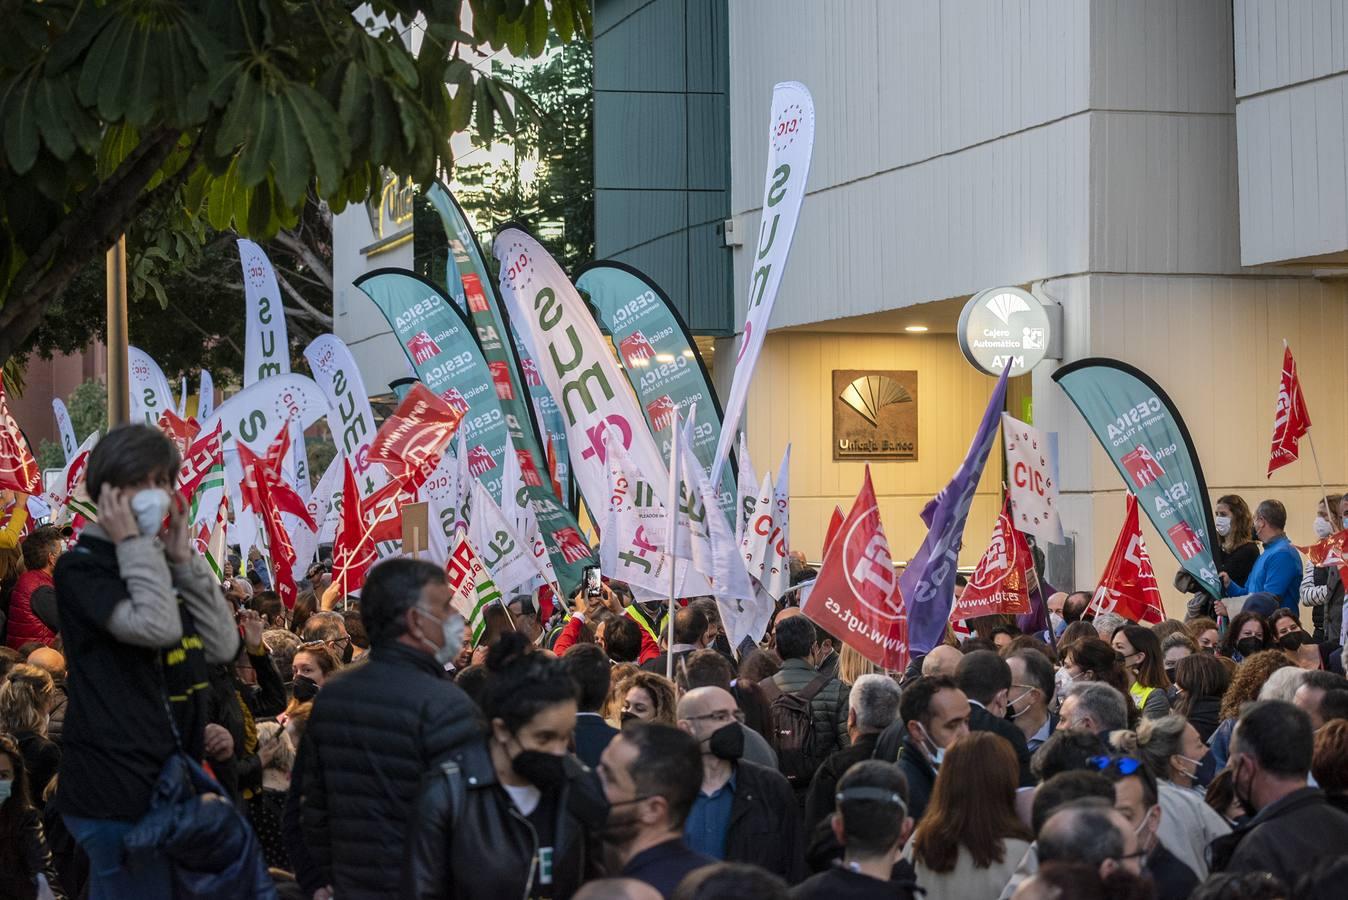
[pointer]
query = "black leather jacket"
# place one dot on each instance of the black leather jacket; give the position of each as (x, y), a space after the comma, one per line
(467, 840)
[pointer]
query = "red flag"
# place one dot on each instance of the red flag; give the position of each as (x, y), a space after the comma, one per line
(382, 510)
(552, 471)
(998, 586)
(354, 552)
(1128, 585)
(412, 440)
(856, 595)
(268, 468)
(834, 523)
(279, 546)
(179, 430)
(1290, 418)
(18, 468)
(204, 454)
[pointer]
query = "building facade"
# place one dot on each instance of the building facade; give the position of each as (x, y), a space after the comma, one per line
(1172, 174)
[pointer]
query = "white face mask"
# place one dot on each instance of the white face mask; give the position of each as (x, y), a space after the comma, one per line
(6, 788)
(937, 754)
(451, 630)
(1322, 528)
(149, 507)
(1223, 524)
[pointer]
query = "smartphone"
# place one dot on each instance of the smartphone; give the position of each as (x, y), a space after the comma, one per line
(591, 581)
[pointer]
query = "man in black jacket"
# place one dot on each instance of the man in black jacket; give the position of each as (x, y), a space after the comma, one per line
(378, 727)
(1136, 799)
(985, 679)
(1293, 826)
(588, 666)
(744, 812)
(933, 714)
(872, 706)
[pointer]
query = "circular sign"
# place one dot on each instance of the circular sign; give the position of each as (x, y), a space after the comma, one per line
(1004, 324)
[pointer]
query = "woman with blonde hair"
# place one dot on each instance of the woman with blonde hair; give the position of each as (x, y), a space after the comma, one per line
(26, 698)
(619, 679)
(649, 698)
(970, 839)
(852, 665)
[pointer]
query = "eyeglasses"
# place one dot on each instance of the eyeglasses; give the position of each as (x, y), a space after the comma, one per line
(1124, 765)
(723, 716)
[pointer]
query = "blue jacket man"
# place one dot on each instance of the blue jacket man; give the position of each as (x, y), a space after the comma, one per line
(1278, 569)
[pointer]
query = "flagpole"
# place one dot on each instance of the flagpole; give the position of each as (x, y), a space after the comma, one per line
(1331, 513)
(671, 534)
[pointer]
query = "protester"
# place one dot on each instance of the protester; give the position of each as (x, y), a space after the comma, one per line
(266, 808)
(1091, 832)
(54, 664)
(1095, 707)
(1324, 697)
(25, 859)
(1283, 684)
(1174, 648)
(1248, 634)
(969, 840)
(311, 666)
(985, 679)
(651, 775)
(1237, 551)
(872, 706)
(40, 551)
(511, 814)
(709, 668)
(738, 880)
(1293, 826)
(743, 812)
(1329, 763)
(942, 660)
(1079, 881)
(1206, 634)
(1245, 686)
(524, 615)
(1092, 659)
(1201, 681)
(589, 667)
(851, 665)
(142, 617)
(1032, 690)
(26, 698)
(1139, 652)
(1301, 650)
(649, 698)
(1277, 570)
(1137, 800)
(871, 823)
(375, 730)
(808, 707)
(933, 714)
(330, 628)
(690, 629)
(1321, 585)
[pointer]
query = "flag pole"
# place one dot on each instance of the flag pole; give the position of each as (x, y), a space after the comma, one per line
(1320, 479)
(671, 533)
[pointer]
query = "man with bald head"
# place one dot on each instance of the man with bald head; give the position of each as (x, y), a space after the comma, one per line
(744, 812)
(942, 660)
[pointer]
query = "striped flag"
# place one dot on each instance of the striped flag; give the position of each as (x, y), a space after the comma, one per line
(211, 541)
(471, 586)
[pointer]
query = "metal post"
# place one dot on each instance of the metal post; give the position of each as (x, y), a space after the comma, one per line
(119, 391)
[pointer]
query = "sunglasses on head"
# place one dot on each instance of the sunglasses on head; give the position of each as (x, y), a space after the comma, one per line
(1124, 765)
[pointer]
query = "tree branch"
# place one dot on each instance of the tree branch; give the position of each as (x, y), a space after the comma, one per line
(316, 264)
(316, 314)
(204, 333)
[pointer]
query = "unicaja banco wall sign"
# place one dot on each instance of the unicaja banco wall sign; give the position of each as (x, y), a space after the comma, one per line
(874, 414)
(1004, 324)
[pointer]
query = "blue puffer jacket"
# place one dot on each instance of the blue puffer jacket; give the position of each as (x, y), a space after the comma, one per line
(212, 847)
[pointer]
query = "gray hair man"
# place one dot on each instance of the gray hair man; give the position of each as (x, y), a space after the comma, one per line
(872, 706)
(1095, 707)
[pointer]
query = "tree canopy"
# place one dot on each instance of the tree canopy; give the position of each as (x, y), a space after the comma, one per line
(206, 115)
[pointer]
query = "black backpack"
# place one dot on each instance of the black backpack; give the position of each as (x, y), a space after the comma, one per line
(792, 724)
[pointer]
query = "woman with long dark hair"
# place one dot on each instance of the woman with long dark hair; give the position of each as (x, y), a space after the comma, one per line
(25, 858)
(1238, 549)
(970, 839)
(1248, 634)
(1091, 659)
(1139, 652)
(506, 816)
(1202, 680)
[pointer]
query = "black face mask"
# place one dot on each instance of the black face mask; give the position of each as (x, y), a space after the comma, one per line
(1206, 771)
(627, 716)
(543, 770)
(727, 742)
(348, 651)
(304, 688)
(1170, 673)
(1249, 646)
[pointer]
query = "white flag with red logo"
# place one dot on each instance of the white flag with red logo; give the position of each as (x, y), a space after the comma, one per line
(747, 483)
(412, 440)
(68, 489)
(519, 511)
(1032, 470)
(18, 468)
(1128, 585)
(505, 554)
(471, 587)
(999, 585)
(856, 595)
(1290, 417)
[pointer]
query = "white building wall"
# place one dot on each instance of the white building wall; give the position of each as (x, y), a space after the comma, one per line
(1291, 85)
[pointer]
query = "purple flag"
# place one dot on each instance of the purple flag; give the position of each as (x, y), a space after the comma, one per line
(928, 581)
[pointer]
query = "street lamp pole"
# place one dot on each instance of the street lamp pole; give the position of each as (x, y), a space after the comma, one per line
(119, 394)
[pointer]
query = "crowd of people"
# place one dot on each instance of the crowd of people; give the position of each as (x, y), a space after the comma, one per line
(166, 732)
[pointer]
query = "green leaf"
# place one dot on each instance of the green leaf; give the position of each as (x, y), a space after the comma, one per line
(235, 126)
(260, 209)
(400, 61)
(55, 132)
(383, 123)
(88, 21)
(255, 157)
(461, 106)
(516, 38)
(537, 28)
(290, 159)
(83, 127)
(118, 142)
(498, 101)
(485, 120)
(18, 104)
(561, 19)
(322, 132)
(141, 89)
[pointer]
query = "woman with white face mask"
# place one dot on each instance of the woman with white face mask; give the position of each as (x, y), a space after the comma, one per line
(1321, 586)
(142, 618)
(1237, 549)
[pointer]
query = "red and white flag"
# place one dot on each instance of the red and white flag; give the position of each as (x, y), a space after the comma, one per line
(1128, 585)
(412, 440)
(18, 468)
(856, 595)
(257, 470)
(998, 585)
(1290, 418)
(179, 430)
(354, 552)
(204, 454)
(280, 548)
